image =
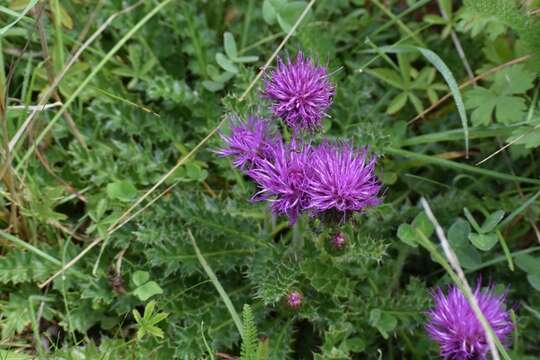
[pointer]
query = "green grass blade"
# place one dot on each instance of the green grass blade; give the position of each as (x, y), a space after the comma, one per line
(457, 134)
(36, 251)
(518, 211)
(458, 166)
(441, 67)
(226, 300)
(436, 61)
(89, 78)
(29, 247)
(502, 258)
(28, 7)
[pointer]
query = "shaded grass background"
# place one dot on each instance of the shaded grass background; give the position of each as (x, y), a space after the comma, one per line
(66, 185)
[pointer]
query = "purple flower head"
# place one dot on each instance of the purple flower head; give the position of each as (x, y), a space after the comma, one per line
(282, 177)
(343, 180)
(295, 299)
(247, 143)
(300, 92)
(454, 325)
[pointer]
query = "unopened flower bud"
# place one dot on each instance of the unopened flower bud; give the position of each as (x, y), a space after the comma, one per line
(295, 299)
(338, 241)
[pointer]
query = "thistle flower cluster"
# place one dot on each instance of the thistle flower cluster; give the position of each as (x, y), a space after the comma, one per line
(331, 178)
(454, 325)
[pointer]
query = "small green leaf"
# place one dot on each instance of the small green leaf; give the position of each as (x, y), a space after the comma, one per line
(389, 76)
(146, 291)
(268, 12)
(528, 263)
(212, 86)
(534, 280)
(246, 59)
(225, 63)
(510, 109)
(384, 322)
(458, 234)
(483, 242)
(434, 19)
(230, 45)
(389, 178)
(397, 103)
(407, 234)
(355, 344)
(492, 221)
(458, 237)
(422, 223)
(468, 256)
(137, 316)
(528, 135)
(515, 79)
(417, 103)
(140, 277)
(121, 190)
(195, 172)
(289, 14)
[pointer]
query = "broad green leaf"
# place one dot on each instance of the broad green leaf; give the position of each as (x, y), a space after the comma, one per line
(212, 86)
(510, 109)
(147, 290)
(122, 190)
(407, 234)
(534, 280)
(468, 256)
(458, 234)
(513, 80)
(482, 115)
(478, 96)
(268, 12)
(383, 321)
(458, 237)
(492, 221)
(140, 277)
(195, 172)
(422, 223)
(289, 14)
(528, 263)
(527, 135)
(230, 45)
(483, 242)
(355, 344)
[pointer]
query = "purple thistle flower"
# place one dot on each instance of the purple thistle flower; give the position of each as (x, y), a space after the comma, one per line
(295, 299)
(454, 325)
(282, 177)
(342, 180)
(300, 92)
(247, 143)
